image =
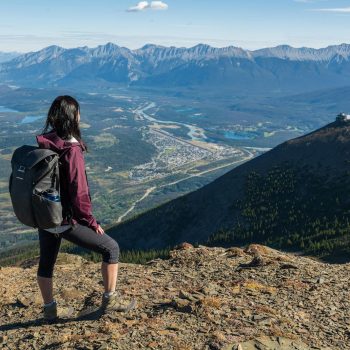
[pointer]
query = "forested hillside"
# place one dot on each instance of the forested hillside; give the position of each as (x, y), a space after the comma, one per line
(295, 196)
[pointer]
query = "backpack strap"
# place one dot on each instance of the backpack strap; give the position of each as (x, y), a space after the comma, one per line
(55, 180)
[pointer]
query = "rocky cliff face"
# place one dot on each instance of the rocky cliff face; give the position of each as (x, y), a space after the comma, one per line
(201, 298)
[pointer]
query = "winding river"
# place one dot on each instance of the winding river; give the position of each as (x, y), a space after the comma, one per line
(195, 133)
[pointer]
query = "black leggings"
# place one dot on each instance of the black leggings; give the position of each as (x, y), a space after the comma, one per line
(81, 235)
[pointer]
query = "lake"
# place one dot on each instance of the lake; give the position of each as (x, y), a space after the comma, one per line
(184, 110)
(239, 135)
(7, 110)
(26, 120)
(30, 119)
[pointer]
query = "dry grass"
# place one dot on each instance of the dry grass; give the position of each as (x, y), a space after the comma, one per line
(257, 249)
(109, 327)
(235, 252)
(152, 345)
(219, 336)
(180, 346)
(265, 309)
(295, 284)
(277, 332)
(213, 302)
(236, 289)
(68, 294)
(258, 287)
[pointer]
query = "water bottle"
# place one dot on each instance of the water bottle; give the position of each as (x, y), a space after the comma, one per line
(52, 195)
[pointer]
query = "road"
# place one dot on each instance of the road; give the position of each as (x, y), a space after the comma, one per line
(154, 188)
(141, 112)
(147, 193)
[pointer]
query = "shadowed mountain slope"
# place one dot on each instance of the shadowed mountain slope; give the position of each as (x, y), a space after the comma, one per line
(286, 197)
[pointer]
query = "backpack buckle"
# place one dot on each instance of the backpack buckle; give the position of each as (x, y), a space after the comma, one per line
(22, 169)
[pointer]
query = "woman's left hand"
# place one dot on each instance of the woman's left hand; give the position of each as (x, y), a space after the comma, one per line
(100, 230)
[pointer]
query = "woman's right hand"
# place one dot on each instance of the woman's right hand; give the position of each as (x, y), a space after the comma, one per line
(100, 230)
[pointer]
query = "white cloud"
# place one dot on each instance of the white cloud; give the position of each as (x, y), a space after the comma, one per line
(159, 5)
(334, 10)
(144, 5)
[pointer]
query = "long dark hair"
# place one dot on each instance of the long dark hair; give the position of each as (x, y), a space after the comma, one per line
(62, 117)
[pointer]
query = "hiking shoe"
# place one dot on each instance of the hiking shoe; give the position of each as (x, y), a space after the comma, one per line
(50, 312)
(116, 303)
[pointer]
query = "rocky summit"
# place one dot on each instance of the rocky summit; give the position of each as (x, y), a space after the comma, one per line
(201, 298)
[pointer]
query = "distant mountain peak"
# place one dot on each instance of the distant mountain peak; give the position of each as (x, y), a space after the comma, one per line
(53, 47)
(152, 47)
(52, 50)
(107, 46)
(202, 46)
(110, 45)
(110, 49)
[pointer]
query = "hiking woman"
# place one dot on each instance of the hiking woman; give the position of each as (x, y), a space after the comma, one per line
(79, 225)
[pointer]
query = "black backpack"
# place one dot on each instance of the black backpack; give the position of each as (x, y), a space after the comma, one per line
(34, 187)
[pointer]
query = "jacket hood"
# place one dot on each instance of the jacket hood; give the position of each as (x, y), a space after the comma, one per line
(53, 142)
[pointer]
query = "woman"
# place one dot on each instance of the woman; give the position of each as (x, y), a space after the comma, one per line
(79, 225)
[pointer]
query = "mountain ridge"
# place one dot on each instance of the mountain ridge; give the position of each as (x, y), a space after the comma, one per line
(280, 51)
(282, 67)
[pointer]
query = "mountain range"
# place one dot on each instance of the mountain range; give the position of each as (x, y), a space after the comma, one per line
(281, 68)
(293, 196)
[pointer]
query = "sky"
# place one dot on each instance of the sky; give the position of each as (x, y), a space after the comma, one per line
(30, 25)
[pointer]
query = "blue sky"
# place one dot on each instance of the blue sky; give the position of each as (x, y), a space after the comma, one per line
(28, 25)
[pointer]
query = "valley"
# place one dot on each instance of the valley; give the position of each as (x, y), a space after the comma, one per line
(144, 148)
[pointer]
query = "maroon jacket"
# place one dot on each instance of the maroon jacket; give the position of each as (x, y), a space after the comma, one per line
(74, 189)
